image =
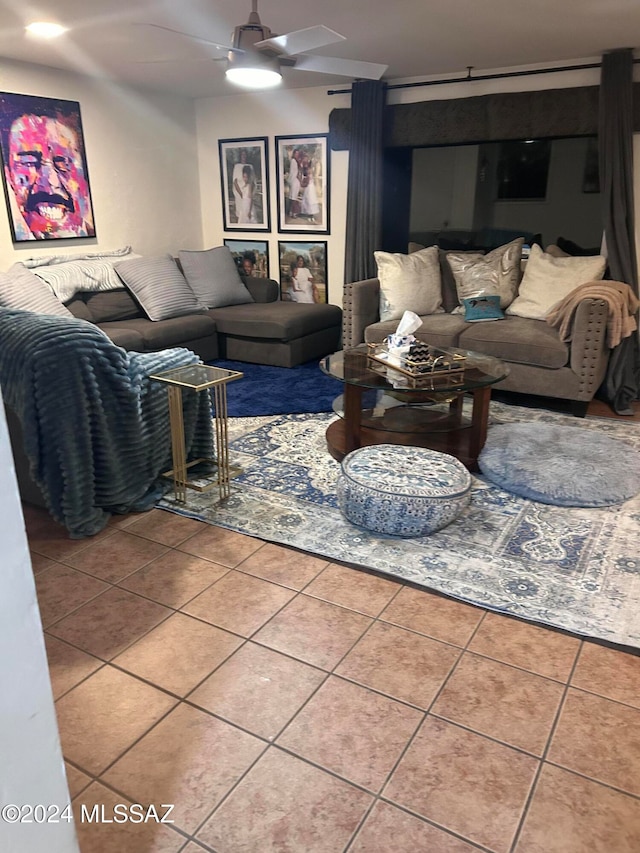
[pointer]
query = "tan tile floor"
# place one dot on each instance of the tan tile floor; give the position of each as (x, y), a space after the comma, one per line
(288, 705)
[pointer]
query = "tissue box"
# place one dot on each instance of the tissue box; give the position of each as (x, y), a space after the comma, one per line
(425, 362)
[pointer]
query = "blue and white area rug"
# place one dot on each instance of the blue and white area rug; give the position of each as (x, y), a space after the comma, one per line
(572, 568)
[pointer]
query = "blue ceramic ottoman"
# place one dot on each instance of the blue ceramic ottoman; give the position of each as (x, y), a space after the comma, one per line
(402, 491)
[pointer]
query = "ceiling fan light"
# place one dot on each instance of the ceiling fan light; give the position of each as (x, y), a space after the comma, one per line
(253, 71)
(254, 78)
(45, 29)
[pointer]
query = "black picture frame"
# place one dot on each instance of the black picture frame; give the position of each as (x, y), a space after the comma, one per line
(523, 170)
(244, 163)
(314, 254)
(256, 252)
(45, 172)
(310, 211)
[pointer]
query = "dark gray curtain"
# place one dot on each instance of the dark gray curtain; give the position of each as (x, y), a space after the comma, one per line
(364, 185)
(621, 385)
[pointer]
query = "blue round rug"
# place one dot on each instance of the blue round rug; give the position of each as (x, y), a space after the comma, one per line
(559, 465)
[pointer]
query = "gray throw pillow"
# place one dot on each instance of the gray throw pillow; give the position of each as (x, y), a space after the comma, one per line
(159, 287)
(21, 289)
(214, 278)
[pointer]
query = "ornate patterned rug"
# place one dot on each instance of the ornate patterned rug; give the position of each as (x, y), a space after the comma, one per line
(572, 568)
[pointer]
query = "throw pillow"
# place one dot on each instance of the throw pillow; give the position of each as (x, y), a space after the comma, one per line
(21, 289)
(478, 309)
(497, 272)
(409, 283)
(547, 280)
(214, 278)
(159, 287)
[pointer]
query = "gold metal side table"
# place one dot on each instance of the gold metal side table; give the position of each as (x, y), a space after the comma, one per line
(198, 377)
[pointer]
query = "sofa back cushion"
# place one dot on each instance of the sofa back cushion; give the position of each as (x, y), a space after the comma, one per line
(409, 283)
(548, 279)
(112, 305)
(159, 287)
(214, 278)
(21, 289)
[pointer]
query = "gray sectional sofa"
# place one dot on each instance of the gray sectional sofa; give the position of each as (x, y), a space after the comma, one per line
(197, 301)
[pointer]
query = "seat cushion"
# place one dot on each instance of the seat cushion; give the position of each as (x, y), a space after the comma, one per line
(128, 339)
(441, 330)
(162, 334)
(517, 339)
(283, 321)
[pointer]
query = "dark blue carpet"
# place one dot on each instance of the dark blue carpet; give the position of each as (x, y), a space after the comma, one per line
(266, 390)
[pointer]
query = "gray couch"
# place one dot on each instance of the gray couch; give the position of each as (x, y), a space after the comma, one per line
(265, 331)
(540, 363)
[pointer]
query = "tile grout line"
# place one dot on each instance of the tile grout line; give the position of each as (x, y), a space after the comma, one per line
(543, 758)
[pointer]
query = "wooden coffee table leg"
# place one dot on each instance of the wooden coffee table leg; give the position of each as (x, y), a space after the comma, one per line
(352, 416)
(479, 421)
(455, 408)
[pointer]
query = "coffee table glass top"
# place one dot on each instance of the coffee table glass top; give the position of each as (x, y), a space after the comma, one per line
(354, 367)
(197, 376)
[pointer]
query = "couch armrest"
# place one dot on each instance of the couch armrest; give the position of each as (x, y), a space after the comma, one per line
(360, 308)
(262, 289)
(589, 351)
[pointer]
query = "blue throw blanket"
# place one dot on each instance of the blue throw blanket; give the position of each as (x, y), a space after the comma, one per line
(96, 429)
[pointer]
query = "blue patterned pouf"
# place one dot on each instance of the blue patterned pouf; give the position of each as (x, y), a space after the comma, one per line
(402, 491)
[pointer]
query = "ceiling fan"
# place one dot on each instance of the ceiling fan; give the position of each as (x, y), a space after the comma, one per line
(256, 55)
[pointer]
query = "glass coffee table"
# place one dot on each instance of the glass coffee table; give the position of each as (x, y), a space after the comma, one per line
(378, 407)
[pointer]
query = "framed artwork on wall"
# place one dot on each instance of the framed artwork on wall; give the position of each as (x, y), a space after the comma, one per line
(46, 179)
(245, 184)
(303, 178)
(303, 271)
(251, 257)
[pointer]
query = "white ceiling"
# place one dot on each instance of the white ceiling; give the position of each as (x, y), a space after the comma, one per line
(415, 39)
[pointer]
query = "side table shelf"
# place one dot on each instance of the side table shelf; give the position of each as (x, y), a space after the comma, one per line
(198, 377)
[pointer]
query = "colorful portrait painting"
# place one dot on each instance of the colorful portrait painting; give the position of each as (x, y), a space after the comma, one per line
(45, 172)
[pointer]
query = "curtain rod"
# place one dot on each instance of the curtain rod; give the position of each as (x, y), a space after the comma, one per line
(470, 78)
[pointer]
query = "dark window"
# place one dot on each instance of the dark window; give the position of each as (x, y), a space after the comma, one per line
(523, 168)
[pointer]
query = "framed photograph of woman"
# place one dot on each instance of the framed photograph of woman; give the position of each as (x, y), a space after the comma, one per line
(303, 178)
(244, 174)
(251, 257)
(303, 271)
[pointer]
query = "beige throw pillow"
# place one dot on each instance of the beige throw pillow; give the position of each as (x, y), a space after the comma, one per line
(548, 279)
(409, 283)
(494, 274)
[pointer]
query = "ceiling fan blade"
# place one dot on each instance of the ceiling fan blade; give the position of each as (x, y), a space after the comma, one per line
(345, 67)
(299, 41)
(215, 44)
